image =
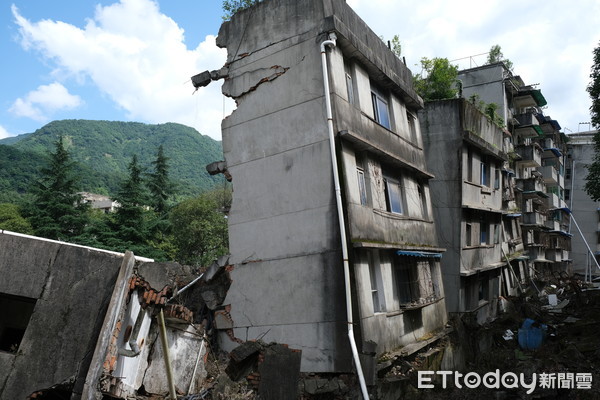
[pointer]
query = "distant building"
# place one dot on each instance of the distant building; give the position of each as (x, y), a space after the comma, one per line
(99, 202)
(585, 211)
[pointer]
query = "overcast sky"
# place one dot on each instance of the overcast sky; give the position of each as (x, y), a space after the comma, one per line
(131, 60)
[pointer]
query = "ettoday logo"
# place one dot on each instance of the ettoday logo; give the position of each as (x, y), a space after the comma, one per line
(507, 380)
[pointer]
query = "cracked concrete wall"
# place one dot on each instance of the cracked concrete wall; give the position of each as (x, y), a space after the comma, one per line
(287, 280)
(72, 286)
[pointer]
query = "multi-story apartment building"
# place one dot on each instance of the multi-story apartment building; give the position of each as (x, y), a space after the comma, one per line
(536, 150)
(472, 192)
(286, 243)
(586, 211)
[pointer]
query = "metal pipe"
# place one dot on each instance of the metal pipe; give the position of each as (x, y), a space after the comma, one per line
(196, 367)
(165, 348)
(338, 197)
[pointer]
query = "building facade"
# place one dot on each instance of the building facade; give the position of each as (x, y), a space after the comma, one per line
(585, 211)
(536, 149)
(285, 241)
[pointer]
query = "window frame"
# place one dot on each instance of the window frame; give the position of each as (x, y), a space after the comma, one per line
(393, 183)
(378, 100)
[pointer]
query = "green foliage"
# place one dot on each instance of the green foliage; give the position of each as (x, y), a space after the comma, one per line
(437, 80)
(592, 180)
(159, 184)
(57, 211)
(592, 184)
(395, 45)
(594, 89)
(230, 7)
(130, 217)
(12, 220)
(495, 55)
(489, 110)
(201, 234)
(103, 150)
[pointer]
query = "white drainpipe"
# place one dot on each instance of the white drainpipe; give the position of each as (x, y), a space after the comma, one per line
(340, 209)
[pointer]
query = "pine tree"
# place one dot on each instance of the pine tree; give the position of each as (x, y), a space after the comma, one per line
(159, 185)
(130, 224)
(58, 211)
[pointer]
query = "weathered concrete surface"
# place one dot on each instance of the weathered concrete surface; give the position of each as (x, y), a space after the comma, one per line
(72, 286)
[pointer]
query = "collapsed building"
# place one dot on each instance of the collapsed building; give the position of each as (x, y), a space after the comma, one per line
(83, 323)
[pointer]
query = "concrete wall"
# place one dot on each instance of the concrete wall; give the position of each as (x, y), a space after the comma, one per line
(457, 139)
(72, 286)
(585, 210)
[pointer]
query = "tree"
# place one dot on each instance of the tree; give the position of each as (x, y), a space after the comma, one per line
(395, 45)
(594, 89)
(159, 185)
(201, 229)
(58, 211)
(230, 7)
(129, 218)
(592, 184)
(12, 220)
(495, 55)
(437, 80)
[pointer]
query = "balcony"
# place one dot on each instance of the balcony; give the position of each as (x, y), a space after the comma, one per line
(553, 225)
(528, 131)
(531, 185)
(553, 201)
(529, 97)
(531, 155)
(533, 218)
(527, 118)
(549, 175)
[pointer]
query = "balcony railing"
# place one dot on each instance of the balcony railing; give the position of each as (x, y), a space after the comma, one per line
(549, 175)
(531, 155)
(533, 218)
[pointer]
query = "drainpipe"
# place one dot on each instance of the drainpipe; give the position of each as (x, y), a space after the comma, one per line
(338, 197)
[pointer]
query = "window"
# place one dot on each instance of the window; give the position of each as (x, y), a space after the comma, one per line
(484, 232)
(496, 179)
(381, 109)
(423, 201)
(406, 278)
(417, 280)
(496, 233)
(412, 128)
(376, 283)
(568, 173)
(14, 318)
(349, 84)
(362, 187)
(469, 232)
(484, 179)
(393, 195)
(483, 290)
(567, 194)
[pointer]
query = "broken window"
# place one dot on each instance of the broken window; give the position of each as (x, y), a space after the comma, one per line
(417, 280)
(393, 195)
(14, 318)
(381, 109)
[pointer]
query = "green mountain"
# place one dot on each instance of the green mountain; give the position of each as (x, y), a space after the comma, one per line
(103, 150)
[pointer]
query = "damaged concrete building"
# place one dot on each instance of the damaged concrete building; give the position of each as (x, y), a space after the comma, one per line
(80, 323)
(536, 147)
(473, 193)
(290, 283)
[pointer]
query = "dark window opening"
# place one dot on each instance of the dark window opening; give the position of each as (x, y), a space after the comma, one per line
(14, 318)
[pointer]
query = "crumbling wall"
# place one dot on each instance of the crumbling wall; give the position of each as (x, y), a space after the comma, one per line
(72, 286)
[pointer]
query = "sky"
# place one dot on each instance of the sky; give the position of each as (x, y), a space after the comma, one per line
(131, 60)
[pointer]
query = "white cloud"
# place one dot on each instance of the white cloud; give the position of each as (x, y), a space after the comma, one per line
(550, 43)
(39, 104)
(137, 57)
(4, 133)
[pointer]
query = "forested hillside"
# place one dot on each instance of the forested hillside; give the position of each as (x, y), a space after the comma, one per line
(103, 149)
